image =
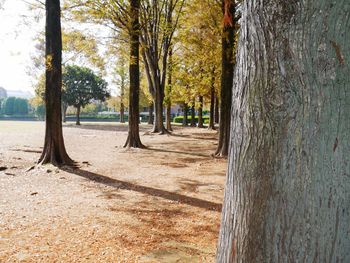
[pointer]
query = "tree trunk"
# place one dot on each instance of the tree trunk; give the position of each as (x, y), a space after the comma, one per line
(133, 139)
(158, 126)
(169, 88)
(184, 121)
(150, 113)
(64, 112)
(193, 114)
(54, 151)
(122, 113)
(78, 115)
(226, 80)
(212, 101)
(200, 112)
(216, 114)
(288, 188)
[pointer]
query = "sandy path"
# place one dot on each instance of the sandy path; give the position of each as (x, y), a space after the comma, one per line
(156, 205)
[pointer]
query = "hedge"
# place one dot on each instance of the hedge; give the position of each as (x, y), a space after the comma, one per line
(179, 119)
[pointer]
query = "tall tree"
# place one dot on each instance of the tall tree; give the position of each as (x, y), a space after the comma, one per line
(157, 32)
(228, 40)
(54, 151)
(82, 86)
(288, 188)
(133, 139)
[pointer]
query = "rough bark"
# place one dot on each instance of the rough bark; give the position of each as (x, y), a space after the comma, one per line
(216, 114)
(226, 81)
(150, 113)
(54, 151)
(77, 122)
(200, 112)
(133, 139)
(288, 188)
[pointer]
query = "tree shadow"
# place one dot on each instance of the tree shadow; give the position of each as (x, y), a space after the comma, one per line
(117, 127)
(179, 152)
(118, 184)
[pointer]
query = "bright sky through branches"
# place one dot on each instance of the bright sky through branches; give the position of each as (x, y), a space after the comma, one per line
(16, 45)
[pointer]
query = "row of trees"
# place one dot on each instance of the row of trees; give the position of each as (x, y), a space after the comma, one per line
(14, 106)
(287, 193)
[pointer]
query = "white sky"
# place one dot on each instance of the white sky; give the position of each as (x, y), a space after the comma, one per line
(16, 45)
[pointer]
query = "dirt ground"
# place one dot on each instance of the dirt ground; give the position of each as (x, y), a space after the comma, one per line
(160, 204)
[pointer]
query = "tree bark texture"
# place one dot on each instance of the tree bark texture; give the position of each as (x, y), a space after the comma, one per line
(133, 139)
(226, 80)
(200, 112)
(54, 151)
(287, 196)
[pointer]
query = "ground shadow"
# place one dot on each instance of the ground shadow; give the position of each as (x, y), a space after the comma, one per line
(145, 190)
(106, 127)
(179, 152)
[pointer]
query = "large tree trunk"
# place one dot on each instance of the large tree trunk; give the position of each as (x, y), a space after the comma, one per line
(216, 114)
(226, 79)
(150, 113)
(54, 151)
(77, 122)
(287, 196)
(133, 139)
(200, 112)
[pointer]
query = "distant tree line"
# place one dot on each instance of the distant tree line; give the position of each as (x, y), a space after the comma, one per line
(14, 106)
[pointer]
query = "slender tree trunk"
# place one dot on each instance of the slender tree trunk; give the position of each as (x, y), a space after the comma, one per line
(193, 114)
(212, 101)
(150, 113)
(288, 188)
(168, 116)
(184, 121)
(158, 126)
(169, 88)
(216, 114)
(200, 112)
(54, 151)
(226, 80)
(122, 113)
(78, 115)
(64, 111)
(133, 139)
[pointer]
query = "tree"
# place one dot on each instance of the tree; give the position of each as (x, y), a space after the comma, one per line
(288, 189)
(157, 31)
(54, 151)
(133, 139)
(8, 106)
(82, 86)
(228, 40)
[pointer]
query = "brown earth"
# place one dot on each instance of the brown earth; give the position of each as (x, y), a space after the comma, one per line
(160, 204)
